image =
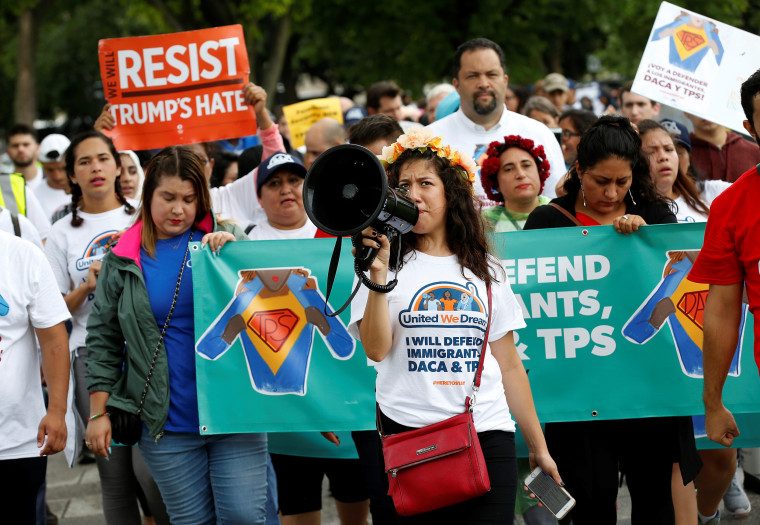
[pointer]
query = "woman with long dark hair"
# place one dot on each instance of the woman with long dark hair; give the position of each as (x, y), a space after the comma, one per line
(610, 184)
(75, 248)
(447, 255)
(671, 180)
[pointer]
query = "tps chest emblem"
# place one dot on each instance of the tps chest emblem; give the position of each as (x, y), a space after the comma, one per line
(274, 327)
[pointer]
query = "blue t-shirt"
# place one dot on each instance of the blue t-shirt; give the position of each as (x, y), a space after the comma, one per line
(160, 275)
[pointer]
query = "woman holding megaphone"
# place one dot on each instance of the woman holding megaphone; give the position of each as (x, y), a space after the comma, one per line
(426, 360)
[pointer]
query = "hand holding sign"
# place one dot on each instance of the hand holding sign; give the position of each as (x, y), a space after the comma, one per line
(256, 96)
(173, 89)
(105, 120)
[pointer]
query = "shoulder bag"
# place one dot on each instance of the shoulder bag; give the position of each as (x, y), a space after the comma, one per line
(441, 464)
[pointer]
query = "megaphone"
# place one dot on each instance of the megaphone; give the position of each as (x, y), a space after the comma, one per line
(346, 190)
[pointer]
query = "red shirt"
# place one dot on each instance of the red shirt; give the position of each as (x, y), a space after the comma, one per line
(731, 251)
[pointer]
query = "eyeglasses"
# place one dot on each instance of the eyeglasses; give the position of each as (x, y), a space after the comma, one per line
(566, 134)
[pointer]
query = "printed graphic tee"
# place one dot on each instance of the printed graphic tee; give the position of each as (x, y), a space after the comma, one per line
(71, 250)
(431, 365)
(29, 298)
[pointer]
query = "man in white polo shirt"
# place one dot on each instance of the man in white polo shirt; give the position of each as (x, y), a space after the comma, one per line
(482, 117)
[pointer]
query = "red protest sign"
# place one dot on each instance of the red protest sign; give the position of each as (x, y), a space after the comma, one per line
(178, 88)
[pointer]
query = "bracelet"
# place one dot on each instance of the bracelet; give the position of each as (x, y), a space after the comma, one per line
(96, 416)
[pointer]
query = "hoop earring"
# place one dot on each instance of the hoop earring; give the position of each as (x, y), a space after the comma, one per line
(631, 194)
(584, 195)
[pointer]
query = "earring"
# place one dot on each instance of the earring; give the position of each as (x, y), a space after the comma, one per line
(584, 195)
(631, 194)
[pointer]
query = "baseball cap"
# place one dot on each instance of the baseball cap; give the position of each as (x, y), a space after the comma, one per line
(555, 82)
(275, 163)
(354, 115)
(678, 131)
(52, 148)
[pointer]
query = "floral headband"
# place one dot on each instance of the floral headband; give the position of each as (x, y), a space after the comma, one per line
(490, 169)
(419, 138)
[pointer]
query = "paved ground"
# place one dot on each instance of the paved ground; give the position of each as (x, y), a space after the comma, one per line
(74, 495)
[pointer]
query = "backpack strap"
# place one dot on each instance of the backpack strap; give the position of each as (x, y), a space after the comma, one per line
(16, 225)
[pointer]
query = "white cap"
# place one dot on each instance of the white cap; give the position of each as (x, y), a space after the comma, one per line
(52, 148)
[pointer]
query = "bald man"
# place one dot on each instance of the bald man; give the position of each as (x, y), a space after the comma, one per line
(321, 136)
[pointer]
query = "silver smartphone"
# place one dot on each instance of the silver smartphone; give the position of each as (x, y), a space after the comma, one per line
(555, 498)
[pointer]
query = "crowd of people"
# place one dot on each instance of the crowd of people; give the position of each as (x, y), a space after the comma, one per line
(96, 289)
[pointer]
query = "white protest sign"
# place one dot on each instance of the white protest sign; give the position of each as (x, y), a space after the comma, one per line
(697, 65)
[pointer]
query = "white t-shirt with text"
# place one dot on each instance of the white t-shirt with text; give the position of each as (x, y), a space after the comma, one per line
(71, 250)
(430, 368)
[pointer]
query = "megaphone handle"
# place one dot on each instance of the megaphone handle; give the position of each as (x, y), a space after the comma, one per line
(364, 254)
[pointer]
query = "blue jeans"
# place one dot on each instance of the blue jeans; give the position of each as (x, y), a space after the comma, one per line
(205, 479)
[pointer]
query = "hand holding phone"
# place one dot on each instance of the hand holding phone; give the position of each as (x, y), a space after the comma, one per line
(554, 497)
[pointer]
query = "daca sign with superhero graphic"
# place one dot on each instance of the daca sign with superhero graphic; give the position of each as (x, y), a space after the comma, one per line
(697, 65)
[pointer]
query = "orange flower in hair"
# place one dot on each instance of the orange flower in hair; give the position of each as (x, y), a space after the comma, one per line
(419, 138)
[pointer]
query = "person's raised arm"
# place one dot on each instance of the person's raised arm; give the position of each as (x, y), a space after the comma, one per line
(270, 136)
(520, 401)
(256, 96)
(722, 317)
(54, 345)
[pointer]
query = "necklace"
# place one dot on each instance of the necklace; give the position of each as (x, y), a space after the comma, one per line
(179, 239)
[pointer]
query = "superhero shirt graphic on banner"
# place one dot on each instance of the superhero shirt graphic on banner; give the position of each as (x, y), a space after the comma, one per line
(690, 40)
(274, 313)
(438, 319)
(680, 302)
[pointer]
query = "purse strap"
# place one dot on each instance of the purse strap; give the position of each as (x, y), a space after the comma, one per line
(470, 401)
(566, 214)
(166, 324)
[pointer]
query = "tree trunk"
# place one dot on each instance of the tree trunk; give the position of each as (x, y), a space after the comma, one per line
(25, 100)
(276, 59)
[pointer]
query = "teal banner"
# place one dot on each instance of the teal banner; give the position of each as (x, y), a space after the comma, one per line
(614, 325)
(614, 330)
(268, 357)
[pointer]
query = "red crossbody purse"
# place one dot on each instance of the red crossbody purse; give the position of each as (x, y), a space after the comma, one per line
(441, 464)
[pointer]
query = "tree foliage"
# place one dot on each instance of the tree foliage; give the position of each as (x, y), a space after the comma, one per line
(343, 42)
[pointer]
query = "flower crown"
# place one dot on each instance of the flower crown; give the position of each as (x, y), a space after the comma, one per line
(490, 168)
(419, 138)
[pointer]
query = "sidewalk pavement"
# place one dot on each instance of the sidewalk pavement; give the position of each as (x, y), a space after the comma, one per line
(74, 496)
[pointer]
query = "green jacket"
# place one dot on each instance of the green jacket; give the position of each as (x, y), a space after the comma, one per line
(121, 313)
